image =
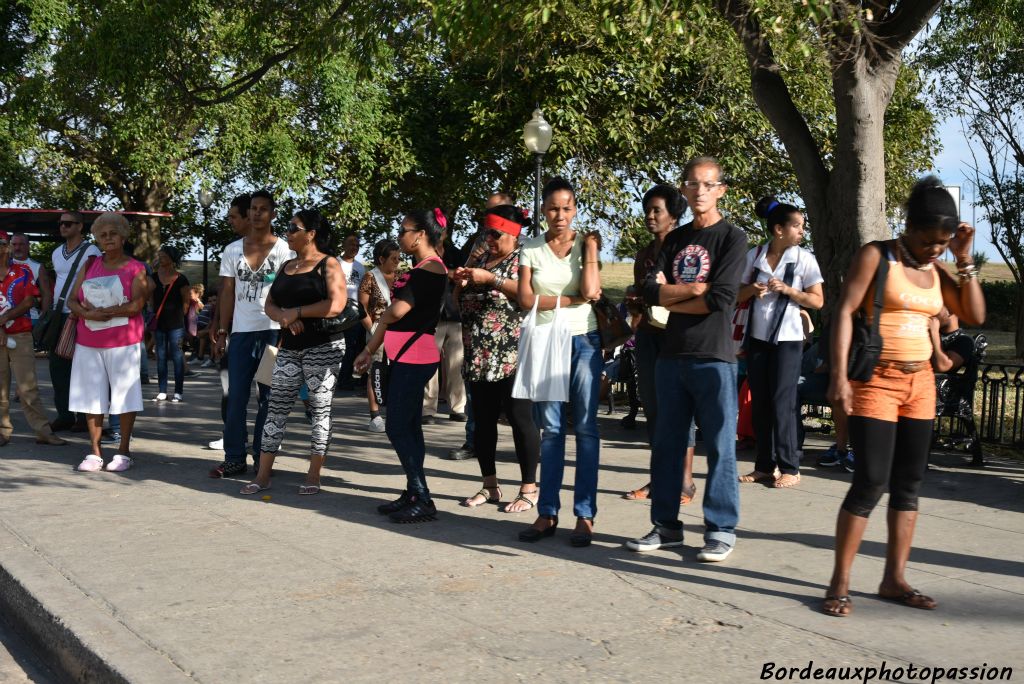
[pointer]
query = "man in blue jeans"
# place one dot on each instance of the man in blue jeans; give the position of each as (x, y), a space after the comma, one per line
(247, 268)
(696, 277)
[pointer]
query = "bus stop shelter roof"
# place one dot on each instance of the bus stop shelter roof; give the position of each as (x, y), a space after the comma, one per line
(43, 224)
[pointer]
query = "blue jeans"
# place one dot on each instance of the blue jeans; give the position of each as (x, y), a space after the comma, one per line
(404, 427)
(168, 343)
(245, 350)
(689, 387)
(648, 349)
(584, 392)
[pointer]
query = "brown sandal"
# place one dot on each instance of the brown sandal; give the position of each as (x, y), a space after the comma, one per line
(687, 496)
(913, 599)
(837, 606)
(638, 494)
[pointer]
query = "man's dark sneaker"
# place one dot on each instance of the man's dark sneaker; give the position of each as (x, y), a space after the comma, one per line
(396, 505)
(228, 469)
(417, 511)
(461, 454)
(714, 551)
(658, 538)
(831, 458)
(428, 420)
(848, 461)
(458, 417)
(110, 437)
(61, 424)
(628, 422)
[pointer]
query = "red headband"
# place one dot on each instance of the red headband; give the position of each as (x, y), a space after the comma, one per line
(503, 224)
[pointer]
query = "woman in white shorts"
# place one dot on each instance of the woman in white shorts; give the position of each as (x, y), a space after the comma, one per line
(107, 299)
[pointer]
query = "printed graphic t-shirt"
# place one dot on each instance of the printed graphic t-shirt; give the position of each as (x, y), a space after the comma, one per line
(354, 272)
(252, 286)
(17, 284)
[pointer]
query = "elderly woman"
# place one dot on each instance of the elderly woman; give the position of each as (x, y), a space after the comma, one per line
(307, 290)
(375, 297)
(171, 299)
(107, 299)
(406, 331)
(486, 292)
(561, 269)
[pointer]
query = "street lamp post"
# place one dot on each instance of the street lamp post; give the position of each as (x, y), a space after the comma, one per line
(537, 138)
(205, 200)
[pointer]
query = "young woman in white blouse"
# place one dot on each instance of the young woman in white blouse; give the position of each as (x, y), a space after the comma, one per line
(782, 277)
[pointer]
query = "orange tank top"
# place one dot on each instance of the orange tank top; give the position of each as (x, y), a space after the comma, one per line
(906, 312)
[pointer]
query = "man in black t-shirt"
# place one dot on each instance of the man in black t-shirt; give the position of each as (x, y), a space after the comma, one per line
(696, 277)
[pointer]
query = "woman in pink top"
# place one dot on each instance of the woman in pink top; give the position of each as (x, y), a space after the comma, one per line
(107, 299)
(406, 330)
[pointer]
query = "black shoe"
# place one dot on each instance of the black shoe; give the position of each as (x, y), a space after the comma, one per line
(144, 379)
(80, 426)
(61, 424)
(428, 420)
(417, 511)
(628, 423)
(532, 534)
(458, 417)
(581, 539)
(461, 454)
(228, 469)
(396, 505)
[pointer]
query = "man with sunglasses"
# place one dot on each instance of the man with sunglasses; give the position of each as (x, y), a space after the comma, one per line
(696, 277)
(248, 267)
(68, 260)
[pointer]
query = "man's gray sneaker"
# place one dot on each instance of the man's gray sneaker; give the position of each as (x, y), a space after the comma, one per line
(658, 538)
(714, 550)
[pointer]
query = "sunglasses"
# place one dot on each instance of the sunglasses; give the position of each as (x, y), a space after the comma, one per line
(68, 223)
(403, 231)
(293, 228)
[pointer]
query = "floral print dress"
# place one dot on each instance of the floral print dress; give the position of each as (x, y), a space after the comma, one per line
(490, 326)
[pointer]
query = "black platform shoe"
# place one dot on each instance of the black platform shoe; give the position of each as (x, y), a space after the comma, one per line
(396, 505)
(532, 534)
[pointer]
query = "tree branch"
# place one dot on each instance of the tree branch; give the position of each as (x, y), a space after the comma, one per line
(904, 22)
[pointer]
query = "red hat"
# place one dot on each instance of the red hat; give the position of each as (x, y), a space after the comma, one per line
(503, 224)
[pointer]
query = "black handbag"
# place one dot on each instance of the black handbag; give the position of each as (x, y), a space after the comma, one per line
(612, 325)
(47, 330)
(351, 315)
(866, 342)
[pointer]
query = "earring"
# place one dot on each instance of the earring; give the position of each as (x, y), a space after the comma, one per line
(414, 245)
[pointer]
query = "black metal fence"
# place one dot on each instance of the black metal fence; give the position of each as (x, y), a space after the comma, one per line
(1002, 404)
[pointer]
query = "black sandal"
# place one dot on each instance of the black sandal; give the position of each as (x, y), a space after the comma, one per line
(532, 534)
(522, 497)
(581, 539)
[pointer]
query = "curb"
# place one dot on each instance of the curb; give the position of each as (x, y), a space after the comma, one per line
(63, 625)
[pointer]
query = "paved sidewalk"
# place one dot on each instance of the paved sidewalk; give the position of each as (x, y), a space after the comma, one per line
(161, 574)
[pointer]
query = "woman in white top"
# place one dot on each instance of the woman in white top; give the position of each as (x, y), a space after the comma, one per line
(782, 277)
(560, 269)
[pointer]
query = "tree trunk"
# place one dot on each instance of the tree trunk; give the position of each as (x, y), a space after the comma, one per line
(144, 196)
(854, 211)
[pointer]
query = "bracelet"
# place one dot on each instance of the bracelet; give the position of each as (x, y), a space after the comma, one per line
(967, 272)
(591, 262)
(499, 281)
(298, 313)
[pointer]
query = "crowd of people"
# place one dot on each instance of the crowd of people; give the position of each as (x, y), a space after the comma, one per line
(508, 325)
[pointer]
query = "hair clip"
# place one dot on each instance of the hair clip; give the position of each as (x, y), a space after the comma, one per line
(439, 216)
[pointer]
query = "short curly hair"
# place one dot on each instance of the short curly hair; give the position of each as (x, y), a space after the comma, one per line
(116, 221)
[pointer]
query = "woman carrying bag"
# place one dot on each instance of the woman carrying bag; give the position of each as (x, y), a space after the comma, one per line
(406, 331)
(306, 290)
(375, 298)
(560, 270)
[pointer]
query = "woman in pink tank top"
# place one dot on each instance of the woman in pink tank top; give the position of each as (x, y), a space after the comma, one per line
(891, 414)
(406, 331)
(107, 299)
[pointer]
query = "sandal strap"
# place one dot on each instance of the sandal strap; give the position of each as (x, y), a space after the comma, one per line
(520, 497)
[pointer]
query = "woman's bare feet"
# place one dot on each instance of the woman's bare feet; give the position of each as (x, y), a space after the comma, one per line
(485, 495)
(526, 500)
(758, 476)
(907, 595)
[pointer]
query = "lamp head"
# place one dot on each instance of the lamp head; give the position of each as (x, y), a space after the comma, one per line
(205, 198)
(537, 133)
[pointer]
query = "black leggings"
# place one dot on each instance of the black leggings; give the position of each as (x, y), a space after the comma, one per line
(489, 399)
(887, 453)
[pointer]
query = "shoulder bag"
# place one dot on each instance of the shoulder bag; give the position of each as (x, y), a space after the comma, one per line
(866, 342)
(48, 328)
(65, 345)
(351, 315)
(742, 313)
(151, 326)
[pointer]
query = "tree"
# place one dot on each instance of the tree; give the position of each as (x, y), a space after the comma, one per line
(979, 48)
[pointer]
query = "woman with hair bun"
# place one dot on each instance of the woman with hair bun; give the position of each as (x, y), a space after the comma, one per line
(891, 414)
(486, 293)
(782, 277)
(306, 290)
(406, 331)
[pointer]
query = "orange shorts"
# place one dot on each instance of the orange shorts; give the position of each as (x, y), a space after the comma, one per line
(891, 394)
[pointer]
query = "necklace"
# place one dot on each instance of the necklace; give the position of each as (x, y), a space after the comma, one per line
(914, 263)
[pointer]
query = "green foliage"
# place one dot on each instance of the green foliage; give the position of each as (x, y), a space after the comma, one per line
(1001, 297)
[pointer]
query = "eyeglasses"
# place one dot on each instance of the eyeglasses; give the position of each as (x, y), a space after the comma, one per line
(693, 185)
(68, 223)
(293, 228)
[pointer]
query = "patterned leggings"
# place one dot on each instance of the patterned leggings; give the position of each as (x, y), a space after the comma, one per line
(318, 367)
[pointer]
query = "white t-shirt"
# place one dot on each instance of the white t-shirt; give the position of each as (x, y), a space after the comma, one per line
(62, 263)
(34, 267)
(763, 311)
(354, 273)
(252, 287)
(554, 276)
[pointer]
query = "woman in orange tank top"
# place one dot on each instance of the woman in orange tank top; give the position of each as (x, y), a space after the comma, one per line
(891, 414)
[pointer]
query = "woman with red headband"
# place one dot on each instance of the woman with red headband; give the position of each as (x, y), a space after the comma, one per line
(486, 291)
(406, 330)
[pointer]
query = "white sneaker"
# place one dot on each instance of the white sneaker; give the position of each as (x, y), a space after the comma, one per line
(376, 425)
(160, 397)
(176, 398)
(217, 444)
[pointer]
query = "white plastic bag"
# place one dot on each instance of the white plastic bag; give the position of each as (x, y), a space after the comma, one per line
(545, 357)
